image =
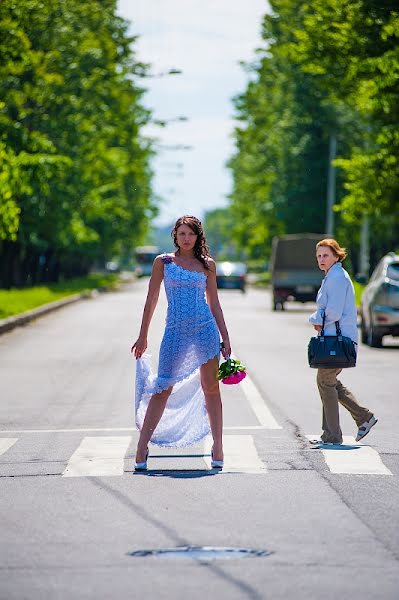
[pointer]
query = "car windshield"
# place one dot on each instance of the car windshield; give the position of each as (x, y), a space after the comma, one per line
(231, 268)
(393, 271)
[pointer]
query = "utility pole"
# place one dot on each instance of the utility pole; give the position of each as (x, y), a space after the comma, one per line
(364, 262)
(332, 153)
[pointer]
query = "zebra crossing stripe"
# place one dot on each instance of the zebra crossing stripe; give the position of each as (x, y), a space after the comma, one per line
(6, 443)
(353, 458)
(240, 455)
(258, 405)
(98, 456)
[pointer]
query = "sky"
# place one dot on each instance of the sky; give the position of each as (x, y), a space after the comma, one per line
(205, 39)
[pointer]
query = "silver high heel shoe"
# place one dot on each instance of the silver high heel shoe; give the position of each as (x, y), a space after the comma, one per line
(216, 464)
(141, 466)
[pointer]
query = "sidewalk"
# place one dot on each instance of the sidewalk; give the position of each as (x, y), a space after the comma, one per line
(28, 316)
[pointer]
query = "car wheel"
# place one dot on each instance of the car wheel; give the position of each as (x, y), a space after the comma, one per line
(278, 305)
(373, 339)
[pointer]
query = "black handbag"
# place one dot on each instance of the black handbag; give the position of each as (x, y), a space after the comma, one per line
(331, 351)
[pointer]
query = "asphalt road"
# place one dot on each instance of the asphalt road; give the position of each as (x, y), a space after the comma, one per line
(72, 508)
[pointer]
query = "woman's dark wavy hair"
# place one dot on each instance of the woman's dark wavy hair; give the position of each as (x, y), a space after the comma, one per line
(201, 250)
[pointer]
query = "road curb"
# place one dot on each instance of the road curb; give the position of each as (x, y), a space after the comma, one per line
(28, 316)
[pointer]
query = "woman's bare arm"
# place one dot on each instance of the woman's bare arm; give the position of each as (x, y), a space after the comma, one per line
(216, 309)
(140, 345)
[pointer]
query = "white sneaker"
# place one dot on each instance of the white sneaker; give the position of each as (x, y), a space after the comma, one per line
(317, 444)
(365, 428)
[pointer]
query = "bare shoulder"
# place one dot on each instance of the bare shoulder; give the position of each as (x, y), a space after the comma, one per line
(158, 262)
(164, 255)
(212, 266)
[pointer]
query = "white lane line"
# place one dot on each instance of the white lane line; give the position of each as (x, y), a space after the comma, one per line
(240, 455)
(245, 427)
(94, 430)
(6, 443)
(353, 458)
(258, 405)
(73, 430)
(98, 456)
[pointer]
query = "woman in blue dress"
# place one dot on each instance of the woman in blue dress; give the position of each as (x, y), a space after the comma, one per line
(181, 404)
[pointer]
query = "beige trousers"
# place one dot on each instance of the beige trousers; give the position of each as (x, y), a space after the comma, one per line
(333, 392)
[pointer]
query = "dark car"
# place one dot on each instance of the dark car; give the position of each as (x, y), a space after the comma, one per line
(380, 302)
(231, 275)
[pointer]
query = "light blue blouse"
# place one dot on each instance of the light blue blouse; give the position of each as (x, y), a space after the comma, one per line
(336, 298)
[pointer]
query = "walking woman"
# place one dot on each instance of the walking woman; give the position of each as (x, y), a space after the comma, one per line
(336, 301)
(182, 404)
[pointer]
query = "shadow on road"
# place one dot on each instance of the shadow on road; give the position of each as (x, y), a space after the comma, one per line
(178, 473)
(246, 590)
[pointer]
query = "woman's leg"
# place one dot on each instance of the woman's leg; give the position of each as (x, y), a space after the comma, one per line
(348, 400)
(327, 384)
(155, 409)
(210, 386)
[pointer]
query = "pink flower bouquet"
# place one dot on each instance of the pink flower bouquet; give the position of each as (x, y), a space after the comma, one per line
(231, 371)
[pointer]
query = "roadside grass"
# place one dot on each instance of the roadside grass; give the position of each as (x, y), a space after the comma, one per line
(16, 301)
(359, 287)
(260, 279)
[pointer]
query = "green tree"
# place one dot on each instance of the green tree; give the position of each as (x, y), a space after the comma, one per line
(327, 66)
(79, 189)
(352, 49)
(280, 166)
(218, 225)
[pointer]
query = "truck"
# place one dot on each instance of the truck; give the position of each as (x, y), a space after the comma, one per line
(295, 274)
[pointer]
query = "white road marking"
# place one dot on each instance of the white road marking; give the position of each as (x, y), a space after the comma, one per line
(258, 405)
(240, 455)
(94, 430)
(353, 458)
(98, 456)
(245, 427)
(73, 430)
(6, 443)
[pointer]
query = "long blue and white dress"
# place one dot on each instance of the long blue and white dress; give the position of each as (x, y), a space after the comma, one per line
(191, 338)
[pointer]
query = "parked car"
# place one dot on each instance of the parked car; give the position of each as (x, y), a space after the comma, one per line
(379, 309)
(145, 256)
(231, 275)
(112, 266)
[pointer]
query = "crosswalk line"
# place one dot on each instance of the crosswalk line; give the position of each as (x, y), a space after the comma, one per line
(98, 456)
(240, 455)
(6, 443)
(104, 456)
(353, 458)
(258, 405)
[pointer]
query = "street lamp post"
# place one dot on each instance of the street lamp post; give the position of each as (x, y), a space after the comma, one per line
(144, 74)
(331, 184)
(164, 122)
(174, 147)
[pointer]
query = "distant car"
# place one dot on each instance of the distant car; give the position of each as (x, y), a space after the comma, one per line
(145, 256)
(112, 266)
(231, 275)
(380, 302)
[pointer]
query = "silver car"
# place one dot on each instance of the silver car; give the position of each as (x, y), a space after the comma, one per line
(380, 302)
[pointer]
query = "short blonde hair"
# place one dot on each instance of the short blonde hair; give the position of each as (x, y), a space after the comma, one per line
(339, 252)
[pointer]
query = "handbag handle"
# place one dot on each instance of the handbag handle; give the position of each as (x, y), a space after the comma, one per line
(337, 327)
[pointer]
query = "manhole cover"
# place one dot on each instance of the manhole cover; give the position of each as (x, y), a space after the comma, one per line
(204, 553)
